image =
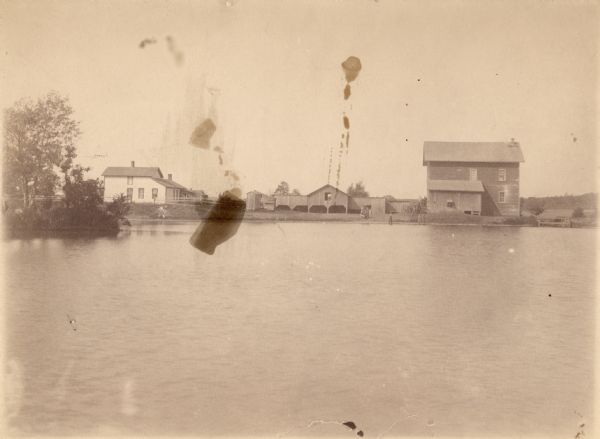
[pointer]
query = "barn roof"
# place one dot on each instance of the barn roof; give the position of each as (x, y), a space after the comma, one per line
(455, 185)
(132, 171)
(504, 152)
(327, 185)
(170, 183)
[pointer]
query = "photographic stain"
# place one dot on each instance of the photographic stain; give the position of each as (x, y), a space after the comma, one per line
(347, 91)
(146, 41)
(202, 134)
(177, 54)
(352, 426)
(222, 222)
(351, 67)
(72, 322)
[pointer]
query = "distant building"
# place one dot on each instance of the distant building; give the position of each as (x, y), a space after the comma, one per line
(477, 178)
(291, 202)
(403, 205)
(256, 200)
(326, 199)
(142, 185)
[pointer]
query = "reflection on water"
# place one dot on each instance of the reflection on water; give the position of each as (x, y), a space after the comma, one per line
(405, 330)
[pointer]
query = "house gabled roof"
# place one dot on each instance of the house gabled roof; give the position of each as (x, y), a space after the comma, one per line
(327, 185)
(504, 152)
(455, 185)
(170, 183)
(132, 171)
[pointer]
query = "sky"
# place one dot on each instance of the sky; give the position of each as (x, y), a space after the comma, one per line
(269, 73)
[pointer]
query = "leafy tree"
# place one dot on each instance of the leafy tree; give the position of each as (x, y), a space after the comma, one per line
(38, 137)
(282, 189)
(578, 212)
(357, 190)
(83, 196)
(296, 192)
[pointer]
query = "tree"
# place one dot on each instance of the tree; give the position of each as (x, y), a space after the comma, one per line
(81, 194)
(282, 189)
(296, 192)
(38, 137)
(357, 190)
(578, 213)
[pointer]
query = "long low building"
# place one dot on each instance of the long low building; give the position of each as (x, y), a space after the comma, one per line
(327, 199)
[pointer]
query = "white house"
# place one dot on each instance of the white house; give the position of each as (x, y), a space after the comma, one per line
(142, 185)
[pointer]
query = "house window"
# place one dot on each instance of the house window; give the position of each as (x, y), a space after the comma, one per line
(450, 204)
(129, 181)
(129, 194)
(154, 193)
(327, 196)
(502, 174)
(500, 197)
(141, 193)
(472, 174)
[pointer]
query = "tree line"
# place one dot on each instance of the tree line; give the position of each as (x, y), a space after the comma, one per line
(39, 152)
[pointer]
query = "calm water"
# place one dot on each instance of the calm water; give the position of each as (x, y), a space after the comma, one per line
(405, 330)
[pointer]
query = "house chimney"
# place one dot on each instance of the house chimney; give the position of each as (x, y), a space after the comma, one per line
(170, 176)
(132, 164)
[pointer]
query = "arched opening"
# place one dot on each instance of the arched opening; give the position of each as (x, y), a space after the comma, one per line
(282, 207)
(301, 208)
(317, 209)
(337, 209)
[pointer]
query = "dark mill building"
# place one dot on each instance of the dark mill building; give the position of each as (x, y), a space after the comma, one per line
(476, 178)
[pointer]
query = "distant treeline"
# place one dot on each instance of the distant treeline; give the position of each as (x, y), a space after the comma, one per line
(585, 201)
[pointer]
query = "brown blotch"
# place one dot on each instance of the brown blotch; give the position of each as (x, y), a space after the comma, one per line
(347, 91)
(232, 175)
(218, 149)
(146, 41)
(346, 123)
(222, 222)
(220, 160)
(177, 54)
(351, 68)
(202, 134)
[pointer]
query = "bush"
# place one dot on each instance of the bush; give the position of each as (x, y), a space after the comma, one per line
(119, 206)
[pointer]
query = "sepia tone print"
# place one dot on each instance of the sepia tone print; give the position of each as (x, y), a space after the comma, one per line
(248, 218)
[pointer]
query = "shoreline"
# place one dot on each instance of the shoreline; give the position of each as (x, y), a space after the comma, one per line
(177, 221)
